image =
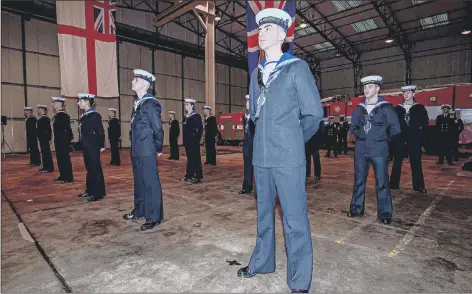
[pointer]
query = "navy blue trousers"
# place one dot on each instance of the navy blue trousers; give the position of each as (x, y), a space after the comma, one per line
(413, 150)
(362, 164)
(147, 189)
(289, 183)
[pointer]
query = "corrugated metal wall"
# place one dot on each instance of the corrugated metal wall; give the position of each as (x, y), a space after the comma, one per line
(176, 77)
(441, 61)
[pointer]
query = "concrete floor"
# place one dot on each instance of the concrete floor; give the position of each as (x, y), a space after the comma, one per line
(427, 248)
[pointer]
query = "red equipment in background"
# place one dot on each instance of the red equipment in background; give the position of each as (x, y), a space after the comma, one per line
(230, 126)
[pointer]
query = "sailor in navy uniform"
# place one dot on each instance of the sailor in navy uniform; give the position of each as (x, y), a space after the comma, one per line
(32, 137)
(174, 133)
(331, 137)
(114, 135)
(44, 136)
(249, 129)
(211, 131)
(285, 107)
(459, 127)
(413, 118)
(342, 134)
(92, 141)
(193, 130)
(446, 132)
(374, 123)
(147, 137)
(312, 149)
(63, 137)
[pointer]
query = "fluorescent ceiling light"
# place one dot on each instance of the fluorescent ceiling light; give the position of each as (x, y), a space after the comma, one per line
(434, 21)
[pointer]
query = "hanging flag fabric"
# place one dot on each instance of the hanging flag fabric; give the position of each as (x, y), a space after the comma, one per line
(87, 47)
(252, 8)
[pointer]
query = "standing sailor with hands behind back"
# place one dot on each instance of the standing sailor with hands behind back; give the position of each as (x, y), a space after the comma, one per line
(92, 140)
(285, 107)
(193, 130)
(32, 137)
(147, 137)
(44, 137)
(413, 119)
(63, 137)
(374, 123)
(114, 135)
(211, 130)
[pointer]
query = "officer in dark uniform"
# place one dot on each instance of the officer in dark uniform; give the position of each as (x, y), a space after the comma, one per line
(445, 134)
(413, 119)
(114, 135)
(249, 129)
(374, 123)
(312, 149)
(193, 130)
(147, 137)
(44, 136)
(32, 137)
(62, 141)
(331, 137)
(459, 124)
(342, 135)
(211, 131)
(92, 140)
(174, 133)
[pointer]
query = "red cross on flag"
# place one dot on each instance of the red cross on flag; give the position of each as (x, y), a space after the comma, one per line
(87, 47)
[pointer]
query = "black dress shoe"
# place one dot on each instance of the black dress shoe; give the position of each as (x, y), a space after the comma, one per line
(47, 171)
(41, 169)
(245, 272)
(422, 191)
(149, 226)
(185, 179)
(352, 214)
(58, 179)
(317, 178)
(94, 198)
(196, 181)
(66, 181)
(83, 195)
(244, 192)
(394, 188)
(385, 221)
(299, 291)
(131, 216)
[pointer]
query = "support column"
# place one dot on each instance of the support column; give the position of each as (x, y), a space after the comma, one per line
(23, 51)
(408, 59)
(118, 42)
(210, 80)
(357, 75)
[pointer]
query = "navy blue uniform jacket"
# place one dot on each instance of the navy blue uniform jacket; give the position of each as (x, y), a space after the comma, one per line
(384, 126)
(193, 130)
(92, 135)
(147, 134)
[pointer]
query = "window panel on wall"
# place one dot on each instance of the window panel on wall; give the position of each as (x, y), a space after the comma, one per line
(11, 30)
(160, 85)
(171, 92)
(125, 127)
(222, 94)
(201, 70)
(159, 61)
(201, 92)
(127, 103)
(102, 107)
(48, 71)
(125, 83)
(222, 74)
(43, 96)
(123, 54)
(12, 66)
(16, 136)
(13, 99)
(47, 42)
(31, 35)
(146, 58)
(169, 61)
(192, 68)
(32, 73)
(134, 56)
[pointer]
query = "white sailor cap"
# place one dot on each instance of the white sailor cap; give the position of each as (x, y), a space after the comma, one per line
(207, 107)
(247, 96)
(371, 80)
(112, 109)
(139, 73)
(171, 112)
(446, 106)
(275, 16)
(42, 106)
(27, 108)
(188, 100)
(58, 99)
(409, 88)
(85, 96)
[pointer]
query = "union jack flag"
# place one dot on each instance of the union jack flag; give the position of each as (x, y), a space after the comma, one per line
(104, 16)
(252, 8)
